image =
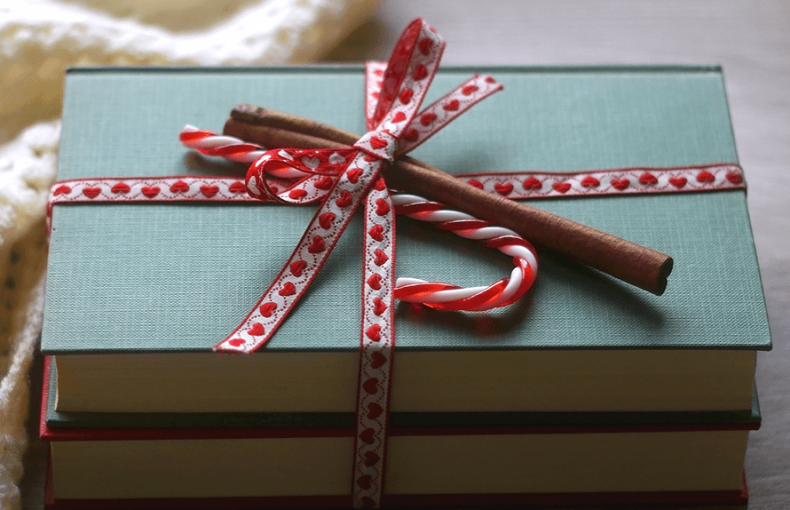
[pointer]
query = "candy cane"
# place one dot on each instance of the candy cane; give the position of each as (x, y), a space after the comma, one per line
(435, 295)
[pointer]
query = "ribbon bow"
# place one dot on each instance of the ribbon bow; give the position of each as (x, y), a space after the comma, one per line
(341, 179)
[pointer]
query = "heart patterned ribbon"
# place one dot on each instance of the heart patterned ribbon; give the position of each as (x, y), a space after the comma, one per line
(341, 179)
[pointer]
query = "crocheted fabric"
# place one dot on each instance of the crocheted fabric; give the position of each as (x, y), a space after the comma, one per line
(39, 39)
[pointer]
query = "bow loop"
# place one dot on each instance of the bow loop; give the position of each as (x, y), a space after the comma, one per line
(408, 75)
(444, 110)
(296, 176)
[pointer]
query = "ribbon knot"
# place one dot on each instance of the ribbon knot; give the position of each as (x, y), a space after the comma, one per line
(379, 144)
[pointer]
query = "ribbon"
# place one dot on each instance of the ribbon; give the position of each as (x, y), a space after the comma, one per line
(342, 179)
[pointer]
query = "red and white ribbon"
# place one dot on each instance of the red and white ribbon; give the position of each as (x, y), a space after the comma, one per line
(522, 185)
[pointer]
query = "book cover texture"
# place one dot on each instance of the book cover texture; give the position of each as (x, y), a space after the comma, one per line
(179, 277)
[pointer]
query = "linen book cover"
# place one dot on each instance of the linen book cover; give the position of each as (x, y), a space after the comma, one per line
(139, 293)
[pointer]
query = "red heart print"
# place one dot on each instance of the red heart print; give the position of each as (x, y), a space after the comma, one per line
(705, 176)
(503, 188)
(256, 329)
(406, 96)
(287, 290)
(324, 183)
(381, 257)
(377, 360)
(382, 207)
(345, 199)
(490, 79)
(678, 182)
(380, 184)
(425, 46)
(121, 187)
(236, 342)
(374, 411)
(648, 179)
(297, 268)
(266, 309)
(590, 182)
(237, 187)
(532, 183)
(399, 117)
(326, 219)
(377, 233)
(411, 135)
(620, 184)
(209, 191)
(476, 184)
(296, 194)
(179, 187)
(374, 282)
(353, 175)
(364, 480)
(62, 190)
(420, 72)
(378, 72)
(370, 158)
(150, 191)
(378, 306)
(374, 333)
(452, 106)
(375, 95)
(377, 143)
(427, 118)
(562, 187)
(317, 246)
(469, 89)
(734, 177)
(91, 192)
(371, 386)
(371, 458)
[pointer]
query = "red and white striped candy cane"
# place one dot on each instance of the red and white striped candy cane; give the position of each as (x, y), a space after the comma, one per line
(441, 296)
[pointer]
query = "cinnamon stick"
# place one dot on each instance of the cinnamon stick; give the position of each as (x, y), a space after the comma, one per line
(638, 265)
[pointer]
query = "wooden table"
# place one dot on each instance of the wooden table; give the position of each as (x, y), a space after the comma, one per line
(752, 42)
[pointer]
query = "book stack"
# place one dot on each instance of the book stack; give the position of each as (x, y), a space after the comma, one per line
(588, 392)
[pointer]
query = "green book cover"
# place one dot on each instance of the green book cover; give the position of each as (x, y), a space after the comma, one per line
(177, 278)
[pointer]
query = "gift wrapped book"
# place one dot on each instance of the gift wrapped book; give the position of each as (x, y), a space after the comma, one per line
(587, 390)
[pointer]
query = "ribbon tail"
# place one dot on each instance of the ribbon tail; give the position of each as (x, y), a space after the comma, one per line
(310, 254)
(377, 348)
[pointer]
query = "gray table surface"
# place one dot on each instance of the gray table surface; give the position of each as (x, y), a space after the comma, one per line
(750, 39)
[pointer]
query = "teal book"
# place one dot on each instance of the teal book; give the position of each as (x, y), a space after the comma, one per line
(138, 294)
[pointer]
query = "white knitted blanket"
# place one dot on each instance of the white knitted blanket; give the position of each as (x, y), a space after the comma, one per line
(39, 39)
